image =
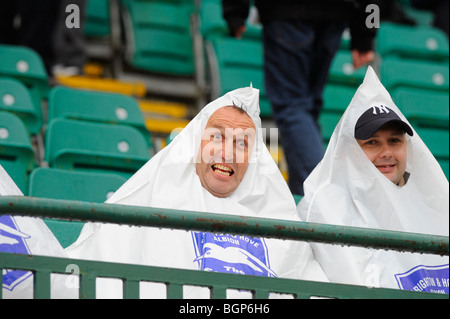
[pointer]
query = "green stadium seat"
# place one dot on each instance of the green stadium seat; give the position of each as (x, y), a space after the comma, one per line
(16, 152)
(328, 122)
(232, 63)
(417, 42)
(419, 74)
(423, 107)
(26, 65)
(15, 98)
(97, 18)
(237, 63)
(104, 107)
(78, 145)
(159, 36)
(342, 71)
(336, 98)
(437, 141)
(71, 185)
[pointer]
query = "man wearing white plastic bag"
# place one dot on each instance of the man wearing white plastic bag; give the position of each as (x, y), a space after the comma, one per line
(27, 235)
(378, 173)
(200, 170)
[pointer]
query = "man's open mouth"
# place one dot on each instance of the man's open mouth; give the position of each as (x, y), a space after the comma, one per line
(223, 170)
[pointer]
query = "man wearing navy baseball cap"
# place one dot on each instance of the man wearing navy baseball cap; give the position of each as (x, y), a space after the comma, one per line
(381, 134)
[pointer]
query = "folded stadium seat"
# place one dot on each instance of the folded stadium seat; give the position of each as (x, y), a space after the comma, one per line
(71, 185)
(87, 105)
(342, 71)
(16, 152)
(15, 98)
(232, 63)
(423, 107)
(419, 74)
(416, 42)
(97, 18)
(237, 63)
(159, 36)
(437, 141)
(90, 146)
(26, 65)
(328, 122)
(336, 97)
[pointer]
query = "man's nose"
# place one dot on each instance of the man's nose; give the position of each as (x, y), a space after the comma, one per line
(386, 151)
(228, 151)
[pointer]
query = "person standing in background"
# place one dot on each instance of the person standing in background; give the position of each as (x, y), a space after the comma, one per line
(300, 40)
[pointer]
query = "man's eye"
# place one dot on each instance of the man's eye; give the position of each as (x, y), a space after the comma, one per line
(241, 143)
(217, 136)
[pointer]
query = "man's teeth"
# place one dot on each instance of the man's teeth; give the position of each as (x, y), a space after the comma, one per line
(226, 171)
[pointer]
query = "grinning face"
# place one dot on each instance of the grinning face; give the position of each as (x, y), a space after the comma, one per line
(225, 150)
(386, 149)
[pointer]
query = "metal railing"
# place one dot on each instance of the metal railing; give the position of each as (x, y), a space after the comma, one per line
(175, 279)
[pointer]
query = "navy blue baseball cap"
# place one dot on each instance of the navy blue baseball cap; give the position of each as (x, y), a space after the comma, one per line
(374, 118)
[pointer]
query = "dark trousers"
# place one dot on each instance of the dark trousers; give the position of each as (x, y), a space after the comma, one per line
(297, 57)
(37, 18)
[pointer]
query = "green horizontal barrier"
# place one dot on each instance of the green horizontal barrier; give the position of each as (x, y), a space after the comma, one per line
(218, 283)
(220, 223)
(175, 279)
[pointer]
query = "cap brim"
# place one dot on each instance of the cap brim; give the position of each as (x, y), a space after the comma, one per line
(369, 129)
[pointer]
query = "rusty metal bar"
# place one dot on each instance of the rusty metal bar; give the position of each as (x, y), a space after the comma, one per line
(220, 223)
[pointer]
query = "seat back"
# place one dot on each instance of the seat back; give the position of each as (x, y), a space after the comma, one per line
(97, 18)
(416, 74)
(71, 185)
(238, 63)
(423, 107)
(437, 141)
(417, 42)
(342, 71)
(159, 36)
(15, 98)
(73, 144)
(16, 152)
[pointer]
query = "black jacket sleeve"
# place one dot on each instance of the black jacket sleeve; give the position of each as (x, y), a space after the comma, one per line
(363, 34)
(235, 12)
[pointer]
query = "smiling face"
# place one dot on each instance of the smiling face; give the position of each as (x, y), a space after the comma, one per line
(386, 149)
(225, 150)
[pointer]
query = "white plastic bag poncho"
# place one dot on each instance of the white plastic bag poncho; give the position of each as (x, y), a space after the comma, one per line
(169, 180)
(29, 236)
(347, 189)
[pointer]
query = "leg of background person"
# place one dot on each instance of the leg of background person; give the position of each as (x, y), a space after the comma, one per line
(8, 10)
(37, 25)
(441, 20)
(69, 44)
(288, 53)
(327, 43)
